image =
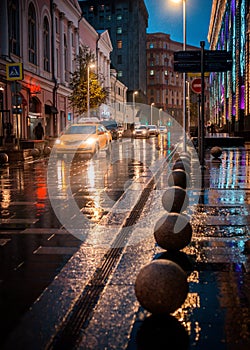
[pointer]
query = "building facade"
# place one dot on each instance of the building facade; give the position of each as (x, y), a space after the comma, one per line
(230, 92)
(126, 21)
(43, 40)
(165, 86)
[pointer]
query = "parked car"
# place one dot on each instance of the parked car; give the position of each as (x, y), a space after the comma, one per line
(153, 130)
(112, 126)
(87, 138)
(141, 131)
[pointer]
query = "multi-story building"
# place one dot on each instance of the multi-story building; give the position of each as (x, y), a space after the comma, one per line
(42, 40)
(126, 22)
(230, 91)
(165, 85)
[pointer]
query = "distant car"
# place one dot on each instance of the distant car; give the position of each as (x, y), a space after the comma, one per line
(120, 130)
(141, 131)
(83, 138)
(163, 129)
(112, 126)
(153, 130)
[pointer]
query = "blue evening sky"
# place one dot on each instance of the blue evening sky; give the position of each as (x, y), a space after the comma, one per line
(167, 17)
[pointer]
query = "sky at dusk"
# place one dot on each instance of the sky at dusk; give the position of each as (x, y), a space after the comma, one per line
(167, 17)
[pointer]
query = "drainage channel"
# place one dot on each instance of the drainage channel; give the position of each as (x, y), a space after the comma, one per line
(82, 312)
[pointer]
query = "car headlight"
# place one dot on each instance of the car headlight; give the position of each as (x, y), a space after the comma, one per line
(144, 131)
(58, 142)
(90, 141)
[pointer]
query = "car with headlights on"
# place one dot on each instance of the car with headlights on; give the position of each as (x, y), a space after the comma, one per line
(141, 131)
(86, 138)
(153, 130)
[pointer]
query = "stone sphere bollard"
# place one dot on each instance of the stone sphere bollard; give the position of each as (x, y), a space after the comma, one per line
(178, 177)
(46, 150)
(175, 199)
(216, 152)
(173, 231)
(3, 158)
(161, 286)
(181, 164)
(35, 153)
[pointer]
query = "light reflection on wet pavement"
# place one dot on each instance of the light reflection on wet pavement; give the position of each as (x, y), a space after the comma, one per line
(216, 313)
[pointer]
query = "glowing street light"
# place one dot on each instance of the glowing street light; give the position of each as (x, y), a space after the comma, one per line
(91, 65)
(151, 114)
(184, 74)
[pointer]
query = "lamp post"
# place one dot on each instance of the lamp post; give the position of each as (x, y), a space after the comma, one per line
(88, 97)
(160, 110)
(134, 93)
(184, 74)
(151, 113)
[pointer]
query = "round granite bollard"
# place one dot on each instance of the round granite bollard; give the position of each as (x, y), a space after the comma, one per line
(35, 152)
(3, 158)
(175, 199)
(46, 150)
(161, 286)
(216, 152)
(181, 164)
(178, 177)
(173, 231)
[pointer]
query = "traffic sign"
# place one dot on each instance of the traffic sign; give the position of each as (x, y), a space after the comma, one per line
(196, 85)
(189, 55)
(14, 71)
(183, 67)
(214, 61)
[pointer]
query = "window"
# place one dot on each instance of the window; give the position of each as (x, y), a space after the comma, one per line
(32, 34)
(46, 47)
(91, 8)
(151, 63)
(119, 59)
(119, 17)
(152, 72)
(119, 44)
(166, 72)
(65, 57)
(14, 39)
(119, 30)
(151, 45)
(119, 73)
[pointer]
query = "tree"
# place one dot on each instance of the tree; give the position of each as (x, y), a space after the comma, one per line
(79, 83)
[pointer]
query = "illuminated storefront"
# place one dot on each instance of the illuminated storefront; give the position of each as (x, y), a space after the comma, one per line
(227, 31)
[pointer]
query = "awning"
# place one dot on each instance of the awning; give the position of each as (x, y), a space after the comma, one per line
(50, 109)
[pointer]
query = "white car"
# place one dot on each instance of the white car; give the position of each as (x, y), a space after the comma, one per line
(163, 129)
(141, 131)
(153, 130)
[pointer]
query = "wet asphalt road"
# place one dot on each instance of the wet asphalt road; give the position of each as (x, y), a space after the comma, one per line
(35, 247)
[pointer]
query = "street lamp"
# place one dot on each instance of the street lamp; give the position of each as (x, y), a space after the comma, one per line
(160, 110)
(134, 93)
(151, 114)
(184, 74)
(88, 97)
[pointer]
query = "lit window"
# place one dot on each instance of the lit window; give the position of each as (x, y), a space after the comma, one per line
(119, 44)
(119, 17)
(152, 72)
(151, 45)
(119, 30)
(166, 72)
(91, 8)
(119, 73)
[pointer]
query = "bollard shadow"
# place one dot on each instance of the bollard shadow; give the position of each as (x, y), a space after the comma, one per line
(180, 258)
(162, 332)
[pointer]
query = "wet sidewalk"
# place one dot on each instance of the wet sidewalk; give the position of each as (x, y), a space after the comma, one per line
(216, 313)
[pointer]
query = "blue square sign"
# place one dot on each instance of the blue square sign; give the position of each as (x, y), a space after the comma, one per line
(14, 71)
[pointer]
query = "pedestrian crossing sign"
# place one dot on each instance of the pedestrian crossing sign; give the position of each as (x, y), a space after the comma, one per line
(14, 71)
